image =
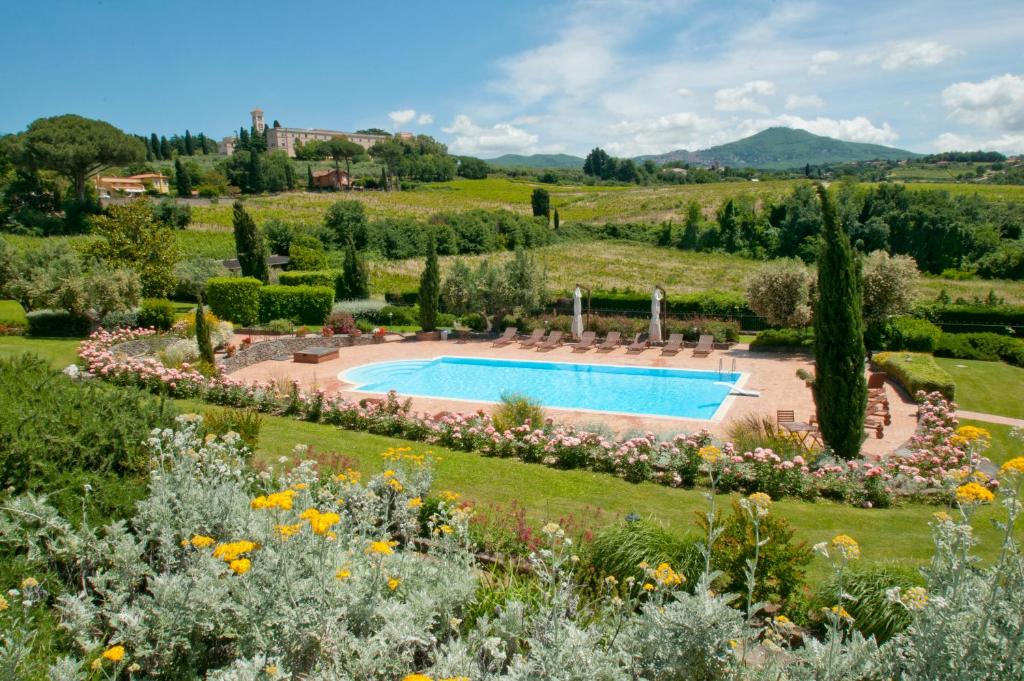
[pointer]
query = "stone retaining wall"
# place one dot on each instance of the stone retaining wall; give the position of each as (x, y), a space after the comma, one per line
(269, 349)
(143, 346)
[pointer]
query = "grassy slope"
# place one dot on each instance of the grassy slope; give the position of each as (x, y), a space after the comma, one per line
(59, 352)
(1003, 447)
(990, 387)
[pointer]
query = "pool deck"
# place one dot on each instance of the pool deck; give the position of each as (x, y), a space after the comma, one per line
(771, 374)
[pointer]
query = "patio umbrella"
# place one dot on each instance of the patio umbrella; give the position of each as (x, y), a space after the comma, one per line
(654, 332)
(577, 313)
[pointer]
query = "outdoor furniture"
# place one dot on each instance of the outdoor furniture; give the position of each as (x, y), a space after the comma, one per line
(506, 338)
(315, 355)
(875, 425)
(786, 421)
(674, 344)
(553, 341)
(610, 343)
(586, 341)
(535, 337)
(705, 346)
(639, 344)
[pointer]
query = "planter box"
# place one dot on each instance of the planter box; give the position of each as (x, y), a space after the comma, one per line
(428, 335)
(315, 355)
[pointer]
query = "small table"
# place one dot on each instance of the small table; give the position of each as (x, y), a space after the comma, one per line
(315, 355)
(799, 429)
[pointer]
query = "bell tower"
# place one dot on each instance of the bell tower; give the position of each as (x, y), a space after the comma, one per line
(257, 120)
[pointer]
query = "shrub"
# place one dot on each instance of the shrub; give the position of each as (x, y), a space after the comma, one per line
(784, 338)
(236, 299)
(120, 319)
(156, 312)
(984, 346)
(874, 614)
(976, 317)
(473, 321)
(617, 551)
(396, 316)
(245, 422)
(304, 258)
(281, 326)
(12, 318)
(358, 308)
(888, 283)
(301, 304)
(191, 276)
(781, 293)
(751, 431)
(693, 329)
(327, 278)
(910, 333)
(916, 371)
(517, 410)
(58, 324)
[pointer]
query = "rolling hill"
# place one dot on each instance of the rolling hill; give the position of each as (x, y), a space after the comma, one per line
(783, 148)
(536, 161)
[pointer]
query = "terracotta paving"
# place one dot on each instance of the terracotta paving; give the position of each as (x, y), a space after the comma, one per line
(773, 375)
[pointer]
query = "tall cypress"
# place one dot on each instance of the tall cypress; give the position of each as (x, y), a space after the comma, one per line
(250, 245)
(165, 149)
(309, 177)
(430, 287)
(182, 179)
(203, 335)
(840, 389)
(154, 142)
(556, 220)
(190, 148)
(355, 276)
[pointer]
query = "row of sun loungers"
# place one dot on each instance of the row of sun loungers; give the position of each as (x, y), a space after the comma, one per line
(588, 340)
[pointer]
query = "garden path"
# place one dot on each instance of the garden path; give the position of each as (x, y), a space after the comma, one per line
(990, 418)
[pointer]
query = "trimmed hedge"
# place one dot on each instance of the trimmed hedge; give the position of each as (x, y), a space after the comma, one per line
(770, 339)
(328, 278)
(989, 347)
(916, 371)
(12, 318)
(910, 333)
(156, 312)
(706, 303)
(1001, 319)
(58, 324)
(236, 299)
(301, 304)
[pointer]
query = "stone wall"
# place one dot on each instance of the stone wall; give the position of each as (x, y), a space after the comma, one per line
(269, 349)
(143, 346)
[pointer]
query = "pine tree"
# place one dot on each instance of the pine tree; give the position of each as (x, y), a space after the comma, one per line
(355, 277)
(840, 390)
(309, 177)
(250, 245)
(182, 179)
(190, 147)
(203, 335)
(556, 220)
(430, 287)
(154, 143)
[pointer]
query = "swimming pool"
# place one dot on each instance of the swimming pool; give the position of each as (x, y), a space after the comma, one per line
(677, 393)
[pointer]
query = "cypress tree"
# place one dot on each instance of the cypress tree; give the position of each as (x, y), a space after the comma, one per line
(165, 149)
(201, 143)
(203, 335)
(355, 277)
(154, 143)
(250, 245)
(556, 220)
(840, 389)
(182, 179)
(190, 148)
(254, 176)
(309, 177)
(541, 203)
(430, 287)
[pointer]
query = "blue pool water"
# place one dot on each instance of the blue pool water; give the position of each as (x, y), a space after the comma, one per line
(633, 390)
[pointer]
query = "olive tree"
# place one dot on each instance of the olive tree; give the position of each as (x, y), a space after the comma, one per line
(781, 292)
(494, 290)
(890, 284)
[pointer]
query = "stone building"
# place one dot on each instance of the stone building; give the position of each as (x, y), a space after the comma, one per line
(287, 139)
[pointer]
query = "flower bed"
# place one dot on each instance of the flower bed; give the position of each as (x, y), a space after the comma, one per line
(940, 456)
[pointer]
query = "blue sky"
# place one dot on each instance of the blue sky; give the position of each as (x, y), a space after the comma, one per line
(632, 76)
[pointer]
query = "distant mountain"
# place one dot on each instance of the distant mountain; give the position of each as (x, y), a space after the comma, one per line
(536, 161)
(783, 148)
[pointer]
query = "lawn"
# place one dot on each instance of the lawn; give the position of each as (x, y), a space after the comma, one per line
(899, 534)
(989, 387)
(1003, 446)
(59, 352)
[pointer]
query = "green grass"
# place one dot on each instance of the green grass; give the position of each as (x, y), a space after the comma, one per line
(899, 534)
(59, 352)
(989, 387)
(1003, 446)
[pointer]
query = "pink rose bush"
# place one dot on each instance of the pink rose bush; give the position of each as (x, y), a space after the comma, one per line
(938, 457)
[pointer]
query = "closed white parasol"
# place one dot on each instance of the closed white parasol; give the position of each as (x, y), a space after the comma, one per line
(654, 332)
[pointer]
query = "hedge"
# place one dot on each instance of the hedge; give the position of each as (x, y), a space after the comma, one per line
(411, 297)
(1002, 319)
(301, 304)
(916, 371)
(58, 324)
(328, 278)
(984, 346)
(910, 333)
(782, 339)
(707, 303)
(12, 318)
(236, 299)
(156, 312)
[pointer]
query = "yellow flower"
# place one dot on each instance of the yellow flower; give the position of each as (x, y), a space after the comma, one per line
(973, 493)
(446, 529)
(233, 550)
(201, 541)
(733, 643)
(942, 517)
(271, 670)
(417, 677)
(782, 620)
(300, 486)
(710, 454)
(343, 574)
(393, 583)
(114, 653)
(847, 546)
(381, 548)
(29, 583)
(415, 502)
(323, 522)
(966, 435)
(841, 612)
(309, 514)
(4, 604)
(1015, 465)
(241, 565)
(915, 598)
(395, 484)
(761, 500)
(449, 496)
(286, 531)
(282, 500)
(666, 576)
(648, 586)
(610, 580)
(97, 663)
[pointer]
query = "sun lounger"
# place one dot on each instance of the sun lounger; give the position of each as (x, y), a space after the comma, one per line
(553, 341)
(586, 341)
(639, 344)
(674, 344)
(506, 338)
(536, 337)
(705, 346)
(610, 343)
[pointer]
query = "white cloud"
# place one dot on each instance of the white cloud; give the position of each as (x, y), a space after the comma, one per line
(857, 129)
(995, 103)
(1007, 143)
(684, 92)
(402, 117)
(909, 54)
(502, 138)
(743, 98)
(425, 119)
(820, 62)
(804, 102)
(682, 130)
